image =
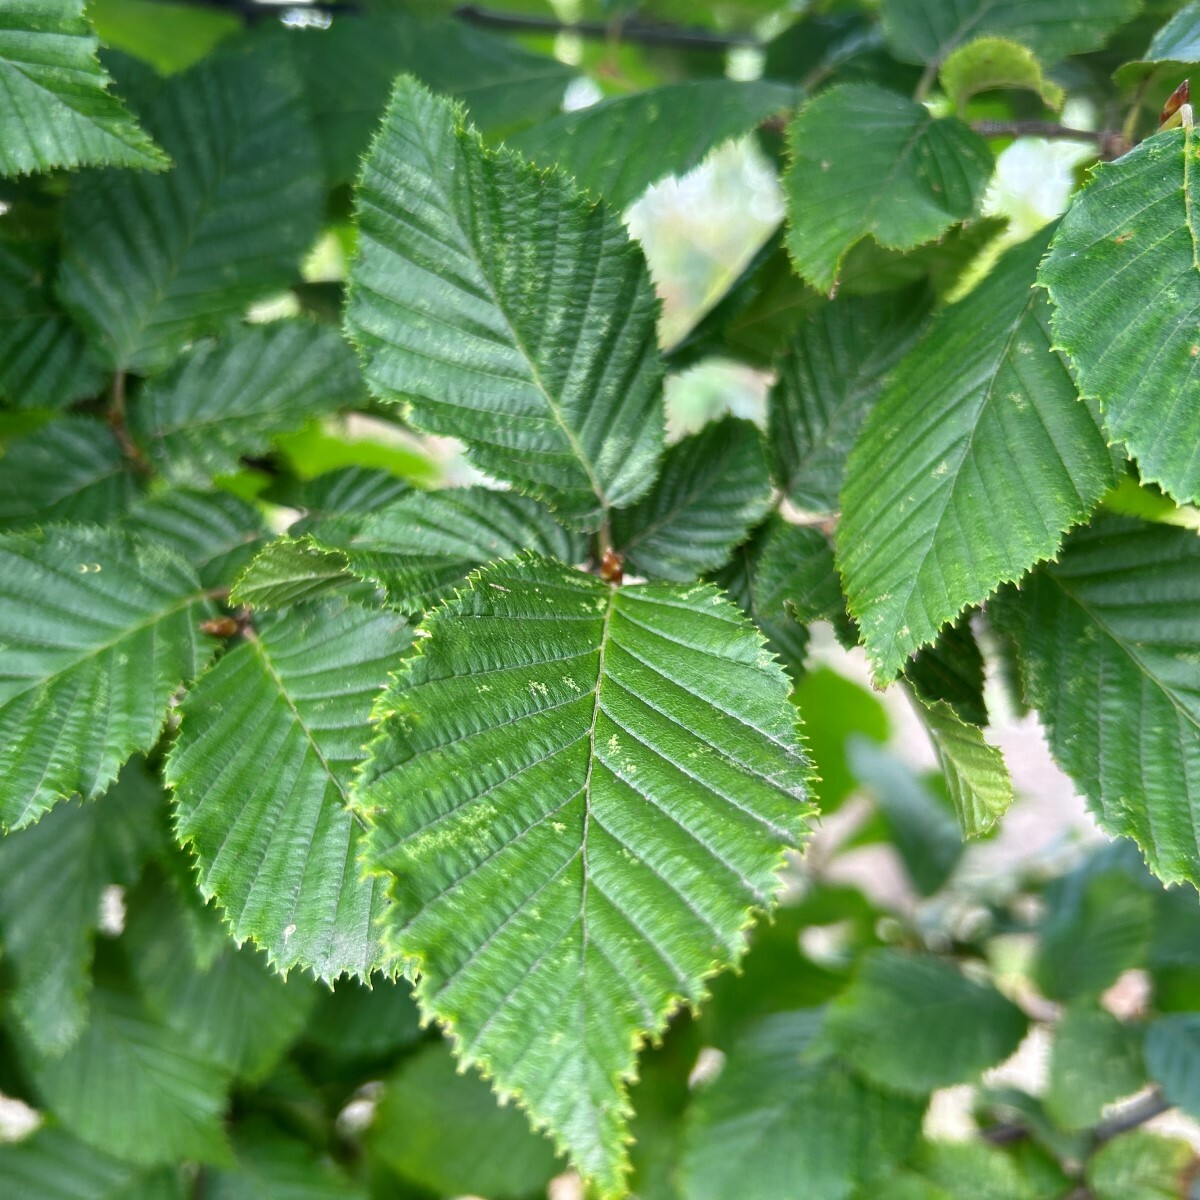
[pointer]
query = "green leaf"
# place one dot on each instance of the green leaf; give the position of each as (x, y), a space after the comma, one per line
(150, 262)
(452, 313)
(1175, 46)
(51, 879)
(1098, 925)
(1094, 1060)
(619, 147)
(763, 585)
(713, 488)
(261, 767)
(53, 1165)
(955, 1170)
(989, 63)
(1173, 1059)
(216, 532)
(868, 162)
(1141, 1166)
(581, 790)
(271, 1167)
(1123, 277)
(915, 1023)
(44, 361)
(444, 1130)
(371, 1020)
(69, 470)
(348, 71)
(55, 106)
(976, 775)
(779, 1114)
(352, 490)
(1108, 639)
(951, 670)
(98, 631)
(170, 37)
(922, 828)
(290, 571)
(830, 377)
(229, 398)
(926, 31)
(129, 1087)
(980, 418)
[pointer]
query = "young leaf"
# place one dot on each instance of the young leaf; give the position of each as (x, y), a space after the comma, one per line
(149, 262)
(1094, 1060)
(129, 1086)
(51, 879)
(988, 63)
(780, 1113)
(229, 398)
(976, 775)
(1108, 639)
(868, 162)
(926, 31)
(713, 488)
(1123, 277)
(98, 631)
(581, 790)
(619, 147)
(915, 1023)
(55, 106)
(980, 419)
(528, 332)
(829, 378)
(261, 767)
(291, 570)
(44, 361)
(445, 1131)
(69, 470)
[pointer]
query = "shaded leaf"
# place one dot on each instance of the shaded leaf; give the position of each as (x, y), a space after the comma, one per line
(988, 63)
(1141, 1166)
(951, 670)
(1173, 1059)
(1094, 1060)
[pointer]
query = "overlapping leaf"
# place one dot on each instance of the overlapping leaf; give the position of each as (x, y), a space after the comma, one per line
(98, 632)
(1108, 638)
(830, 376)
(977, 458)
(1123, 275)
(529, 333)
(619, 147)
(713, 488)
(1176, 45)
(928, 30)
(53, 1165)
(228, 398)
(988, 63)
(603, 778)
(868, 162)
(69, 470)
(55, 106)
(1095, 1060)
(261, 769)
(780, 1113)
(150, 261)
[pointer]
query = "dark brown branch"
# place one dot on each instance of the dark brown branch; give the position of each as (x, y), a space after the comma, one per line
(1111, 142)
(1138, 1113)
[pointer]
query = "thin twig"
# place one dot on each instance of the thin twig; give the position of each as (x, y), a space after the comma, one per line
(1137, 1113)
(115, 416)
(1046, 129)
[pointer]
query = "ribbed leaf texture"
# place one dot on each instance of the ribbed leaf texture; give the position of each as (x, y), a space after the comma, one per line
(714, 487)
(132, 1087)
(619, 147)
(55, 106)
(291, 570)
(150, 261)
(884, 1023)
(44, 361)
(780, 1113)
(829, 378)
(53, 1165)
(928, 30)
(866, 161)
(976, 775)
(952, 669)
(1123, 276)
(98, 632)
(980, 419)
(445, 1131)
(528, 332)
(582, 791)
(51, 879)
(229, 398)
(1175, 46)
(69, 470)
(1108, 642)
(261, 768)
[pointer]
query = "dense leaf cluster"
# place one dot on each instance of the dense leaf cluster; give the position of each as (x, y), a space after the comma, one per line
(304, 751)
